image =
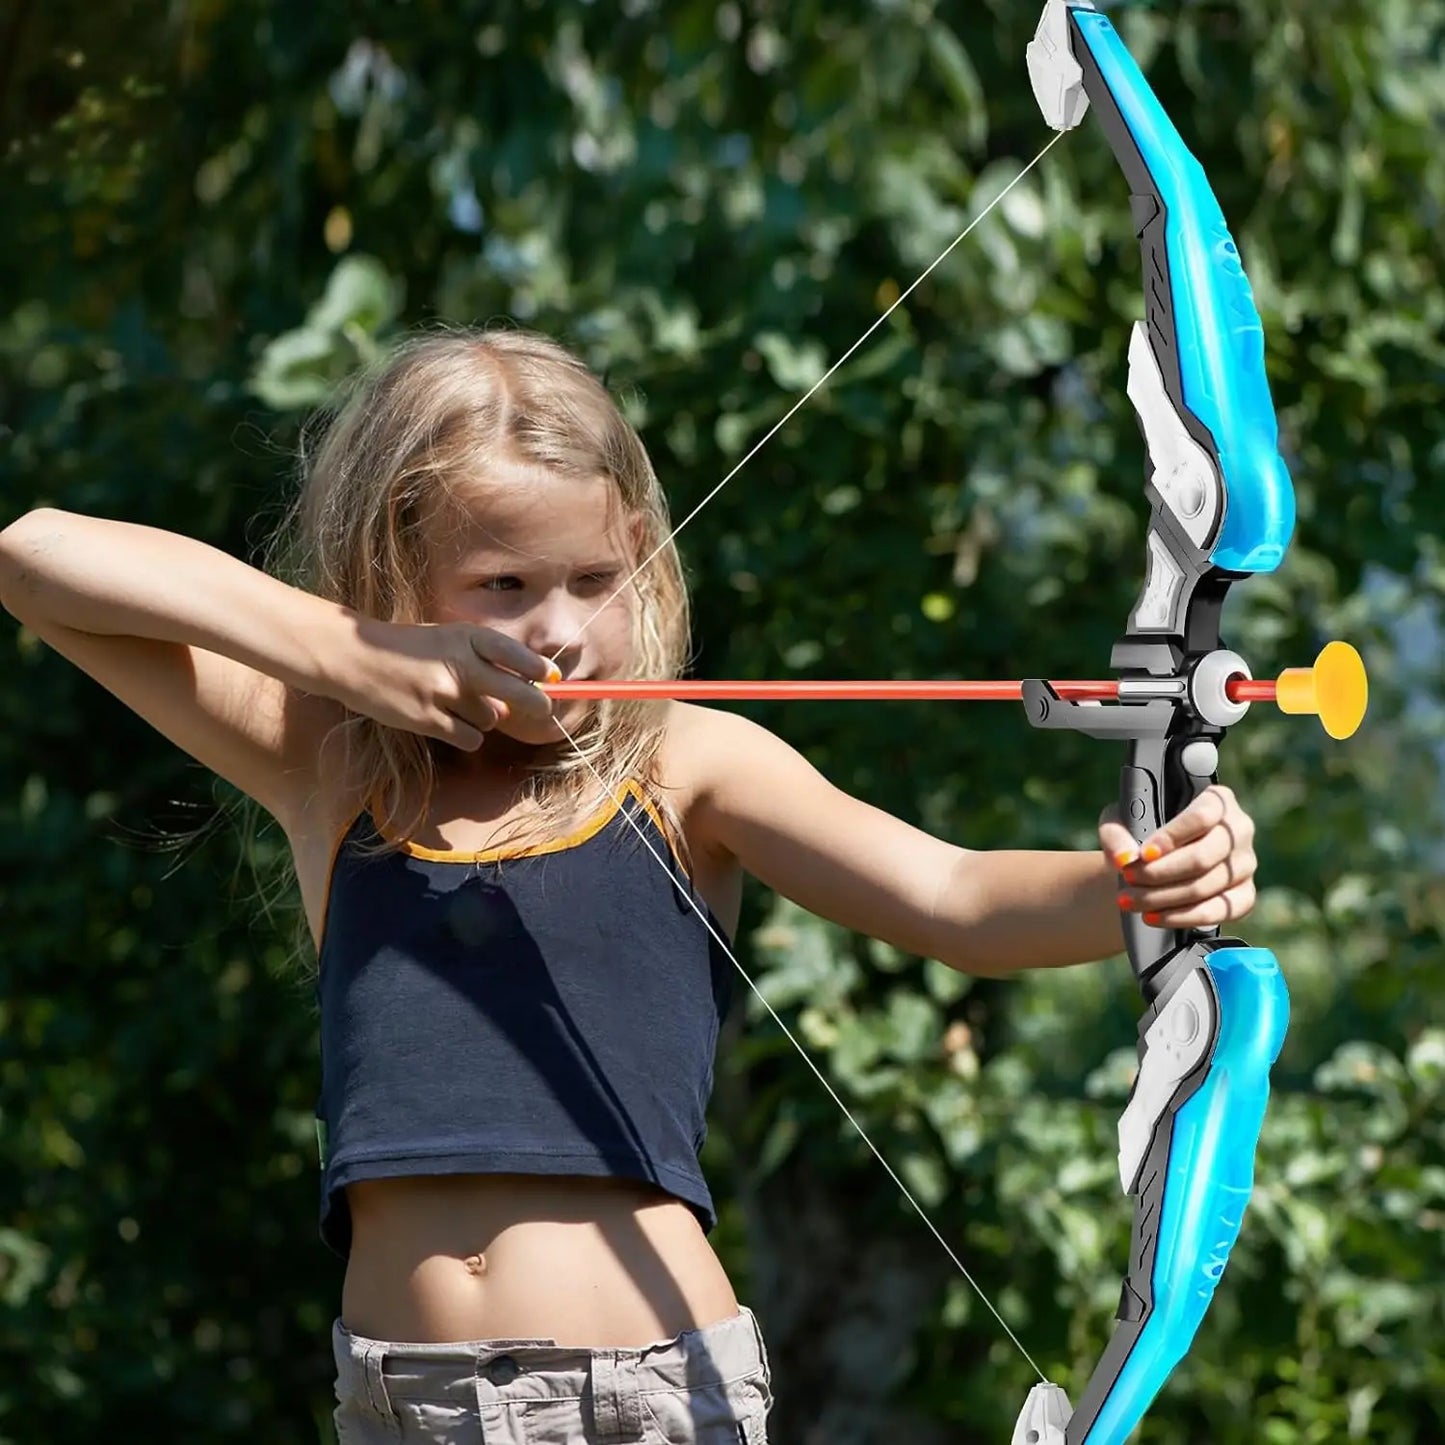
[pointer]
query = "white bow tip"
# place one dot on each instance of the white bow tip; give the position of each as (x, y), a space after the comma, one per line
(1044, 1417)
(1057, 78)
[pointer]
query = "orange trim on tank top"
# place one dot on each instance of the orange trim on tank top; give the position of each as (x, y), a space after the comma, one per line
(578, 836)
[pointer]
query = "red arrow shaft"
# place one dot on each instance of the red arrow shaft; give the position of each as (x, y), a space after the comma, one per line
(941, 690)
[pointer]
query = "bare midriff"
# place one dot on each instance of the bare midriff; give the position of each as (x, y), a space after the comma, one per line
(605, 1264)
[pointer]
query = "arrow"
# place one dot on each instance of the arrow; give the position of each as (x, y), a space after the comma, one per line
(1335, 690)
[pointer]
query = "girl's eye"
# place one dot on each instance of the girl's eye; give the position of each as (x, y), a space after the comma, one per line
(508, 582)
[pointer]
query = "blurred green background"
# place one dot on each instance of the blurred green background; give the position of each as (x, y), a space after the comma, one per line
(213, 209)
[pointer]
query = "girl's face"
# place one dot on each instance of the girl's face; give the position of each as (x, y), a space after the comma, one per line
(534, 558)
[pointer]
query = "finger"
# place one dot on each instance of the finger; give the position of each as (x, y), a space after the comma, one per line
(477, 715)
(509, 692)
(1238, 868)
(457, 732)
(1216, 805)
(506, 652)
(1222, 908)
(1117, 842)
(1185, 864)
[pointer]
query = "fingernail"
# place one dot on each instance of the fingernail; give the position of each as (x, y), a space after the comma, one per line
(1127, 903)
(1151, 852)
(1152, 919)
(554, 673)
(1125, 858)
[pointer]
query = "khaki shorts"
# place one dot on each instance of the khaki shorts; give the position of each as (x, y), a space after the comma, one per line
(706, 1387)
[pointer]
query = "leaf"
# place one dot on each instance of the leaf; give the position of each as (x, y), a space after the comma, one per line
(358, 294)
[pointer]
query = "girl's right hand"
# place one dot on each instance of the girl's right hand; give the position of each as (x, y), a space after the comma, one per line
(449, 680)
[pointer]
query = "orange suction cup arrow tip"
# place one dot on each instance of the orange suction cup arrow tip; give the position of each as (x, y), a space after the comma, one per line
(1335, 689)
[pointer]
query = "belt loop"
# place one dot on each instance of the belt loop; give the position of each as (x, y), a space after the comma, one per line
(616, 1398)
(373, 1356)
(759, 1341)
(753, 1431)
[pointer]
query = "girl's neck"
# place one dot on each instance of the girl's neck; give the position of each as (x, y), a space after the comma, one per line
(499, 763)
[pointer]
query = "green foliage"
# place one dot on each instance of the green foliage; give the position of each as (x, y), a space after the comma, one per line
(215, 211)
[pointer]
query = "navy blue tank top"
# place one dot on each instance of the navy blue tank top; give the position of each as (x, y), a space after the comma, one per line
(549, 1011)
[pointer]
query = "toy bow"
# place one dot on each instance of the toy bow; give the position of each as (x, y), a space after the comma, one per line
(1222, 509)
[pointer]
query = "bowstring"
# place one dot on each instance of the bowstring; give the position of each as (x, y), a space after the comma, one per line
(802, 401)
(661, 862)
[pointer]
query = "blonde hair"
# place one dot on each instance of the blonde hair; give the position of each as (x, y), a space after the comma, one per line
(399, 443)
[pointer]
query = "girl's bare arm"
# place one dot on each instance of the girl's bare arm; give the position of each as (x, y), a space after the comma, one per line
(242, 671)
(238, 669)
(757, 800)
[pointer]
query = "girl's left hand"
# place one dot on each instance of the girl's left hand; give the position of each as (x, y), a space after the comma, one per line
(1197, 871)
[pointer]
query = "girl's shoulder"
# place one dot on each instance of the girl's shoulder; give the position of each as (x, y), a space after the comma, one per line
(710, 756)
(700, 746)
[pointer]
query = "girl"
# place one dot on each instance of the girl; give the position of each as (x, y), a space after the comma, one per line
(520, 911)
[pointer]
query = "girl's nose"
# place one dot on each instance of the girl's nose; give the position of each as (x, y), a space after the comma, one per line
(553, 629)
